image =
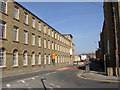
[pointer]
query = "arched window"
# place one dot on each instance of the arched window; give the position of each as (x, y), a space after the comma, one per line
(2, 57)
(15, 58)
(49, 59)
(33, 58)
(45, 59)
(25, 58)
(39, 58)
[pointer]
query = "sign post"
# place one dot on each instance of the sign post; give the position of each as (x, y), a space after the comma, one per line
(53, 57)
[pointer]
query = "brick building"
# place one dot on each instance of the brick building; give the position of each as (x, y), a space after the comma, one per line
(27, 42)
(110, 38)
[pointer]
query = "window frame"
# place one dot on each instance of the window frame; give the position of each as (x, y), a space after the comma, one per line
(33, 58)
(3, 56)
(39, 41)
(45, 43)
(15, 35)
(16, 14)
(15, 58)
(3, 24)
(39, 59)
(5, 8)
(45, 29)
(33, 22)
(45, 59)
(49, 31)
(49, 44)
(25, 37)
(26, 18)
(25, 58)
(39, 26)
(49, 59)
(33, 39)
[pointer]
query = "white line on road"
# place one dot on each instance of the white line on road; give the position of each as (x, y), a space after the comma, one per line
(22, 81)
(52, 84)
(36, 76)
(33, 78)
(53, 72)
(50, 73)
(47, 73)
(58, 87)
(8, 85)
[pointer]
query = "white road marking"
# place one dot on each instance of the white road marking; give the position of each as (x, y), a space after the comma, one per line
(58, 87)
(52, 84)
(50, 73)
(22, 81)
(53, 72)
(36, 76)
(8, 85)
(33, 78)
(47, 73)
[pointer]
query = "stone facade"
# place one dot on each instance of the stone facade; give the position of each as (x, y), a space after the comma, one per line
(37, 56)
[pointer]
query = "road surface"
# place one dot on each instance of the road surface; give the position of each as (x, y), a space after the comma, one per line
(65, 77)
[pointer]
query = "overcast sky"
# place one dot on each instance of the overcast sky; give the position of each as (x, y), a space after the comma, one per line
(83, 20)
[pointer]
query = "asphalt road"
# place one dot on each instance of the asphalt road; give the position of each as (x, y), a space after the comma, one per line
(56, 78)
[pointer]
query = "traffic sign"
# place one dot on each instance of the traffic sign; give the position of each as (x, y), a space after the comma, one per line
(53, 55)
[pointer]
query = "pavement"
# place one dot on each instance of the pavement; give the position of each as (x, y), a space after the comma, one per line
(96, 73)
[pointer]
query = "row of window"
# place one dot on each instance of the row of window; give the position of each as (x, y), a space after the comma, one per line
(25, 38)
(25, 58)
(16, 16)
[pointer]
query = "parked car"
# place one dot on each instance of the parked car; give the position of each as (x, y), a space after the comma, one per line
(75, 62)
(78, 63)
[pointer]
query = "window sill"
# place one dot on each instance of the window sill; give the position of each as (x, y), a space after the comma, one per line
(3, 39)
(16, 41)
(15, 66)
(33, 64)
(33, 27)
(4, 13)
(25, 43)
(2, 66)
(39, 30)
(17, 19)
(26, 24)
(24, 65)
(39, 46)
(33, 45)
(39, 64)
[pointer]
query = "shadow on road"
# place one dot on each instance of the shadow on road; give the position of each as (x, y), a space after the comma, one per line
(93, 67)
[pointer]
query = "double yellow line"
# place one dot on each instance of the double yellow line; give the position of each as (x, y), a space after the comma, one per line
(80, 76)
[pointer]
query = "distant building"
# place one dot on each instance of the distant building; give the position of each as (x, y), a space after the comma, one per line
(28, 42)
(77, 58)
(98, 54)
